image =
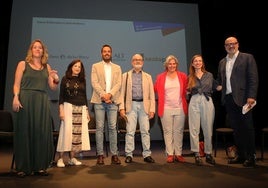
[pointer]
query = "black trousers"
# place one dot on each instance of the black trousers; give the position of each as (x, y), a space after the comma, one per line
(244, 132)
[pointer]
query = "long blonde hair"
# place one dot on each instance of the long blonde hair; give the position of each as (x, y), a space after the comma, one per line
(29, 56)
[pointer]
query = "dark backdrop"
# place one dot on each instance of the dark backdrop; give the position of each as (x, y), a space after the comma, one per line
(218, 19)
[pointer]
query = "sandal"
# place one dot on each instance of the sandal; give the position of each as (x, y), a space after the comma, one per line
(21, 174)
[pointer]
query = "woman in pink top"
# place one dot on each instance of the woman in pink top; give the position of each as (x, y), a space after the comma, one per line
(170, 87)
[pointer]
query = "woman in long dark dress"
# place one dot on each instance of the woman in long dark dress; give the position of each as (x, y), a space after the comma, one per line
(33, 140)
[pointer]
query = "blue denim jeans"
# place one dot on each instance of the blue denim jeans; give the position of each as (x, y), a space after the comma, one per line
(137, 114)
(111, 111)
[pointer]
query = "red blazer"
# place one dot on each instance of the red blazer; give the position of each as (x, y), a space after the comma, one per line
(159, 88)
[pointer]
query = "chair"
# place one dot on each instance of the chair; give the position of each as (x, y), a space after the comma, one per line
(55, 140)
(263, 131)
(186, 132)
(6, 130)
(92, 131)
(224, 132)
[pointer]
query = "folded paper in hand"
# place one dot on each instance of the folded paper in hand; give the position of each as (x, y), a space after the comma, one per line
(247, 108)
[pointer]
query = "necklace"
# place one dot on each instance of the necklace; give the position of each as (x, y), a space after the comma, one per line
(34, 66)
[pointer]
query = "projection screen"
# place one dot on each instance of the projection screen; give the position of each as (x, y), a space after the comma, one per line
(78, 29)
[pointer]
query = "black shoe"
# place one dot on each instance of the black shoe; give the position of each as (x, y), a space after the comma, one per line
(198, 160)
(249, 163)
(149, 159)
(21, 174)
(236, 160)
(115, 160)
(209, 159)
(100, 160)
(128, 159)
(41, 173)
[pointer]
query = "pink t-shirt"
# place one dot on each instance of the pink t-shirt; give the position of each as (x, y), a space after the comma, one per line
(172, 93)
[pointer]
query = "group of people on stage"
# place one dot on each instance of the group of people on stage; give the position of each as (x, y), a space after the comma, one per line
(133, 94)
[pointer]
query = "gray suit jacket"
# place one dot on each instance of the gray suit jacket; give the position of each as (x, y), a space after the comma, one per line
(99, 85)
(147, 89)
(244, 78)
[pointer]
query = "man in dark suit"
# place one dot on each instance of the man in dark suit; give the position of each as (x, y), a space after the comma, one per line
(238, 75)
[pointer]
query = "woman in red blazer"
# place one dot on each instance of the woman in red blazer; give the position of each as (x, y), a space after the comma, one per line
(170, 87)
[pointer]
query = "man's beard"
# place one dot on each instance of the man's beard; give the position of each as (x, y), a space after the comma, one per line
(137, 66)
(107, 59)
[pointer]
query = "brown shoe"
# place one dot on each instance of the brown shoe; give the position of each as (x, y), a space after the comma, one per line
(115, 160)
(100, 160)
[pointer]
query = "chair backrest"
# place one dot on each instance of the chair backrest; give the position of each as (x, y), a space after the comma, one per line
(6, 121)
(121, 124)
(265, 129)
(227, 128)
(92, 123)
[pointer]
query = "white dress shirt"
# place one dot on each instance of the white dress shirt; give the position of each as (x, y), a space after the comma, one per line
(229, 68)
(108, 76)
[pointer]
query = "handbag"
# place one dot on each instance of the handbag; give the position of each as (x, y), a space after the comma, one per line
(231, 152)
(122, 121)
(201, 149)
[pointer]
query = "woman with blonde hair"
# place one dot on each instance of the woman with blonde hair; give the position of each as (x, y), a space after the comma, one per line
(170, 86)
(33, 125)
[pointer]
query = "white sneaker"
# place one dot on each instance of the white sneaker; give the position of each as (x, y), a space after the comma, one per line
(60, 163)
(74, 161)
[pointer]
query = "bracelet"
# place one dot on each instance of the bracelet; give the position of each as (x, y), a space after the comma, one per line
(16, 94)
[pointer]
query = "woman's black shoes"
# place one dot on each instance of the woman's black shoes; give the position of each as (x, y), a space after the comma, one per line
(198, 160)
(41, 173)
(210, 160)
(21, 174)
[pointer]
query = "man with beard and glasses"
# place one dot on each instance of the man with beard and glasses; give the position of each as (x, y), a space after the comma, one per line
(138, 107)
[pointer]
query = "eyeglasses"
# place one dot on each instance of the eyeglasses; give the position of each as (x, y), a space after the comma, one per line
(137, 60)
(230, 44)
